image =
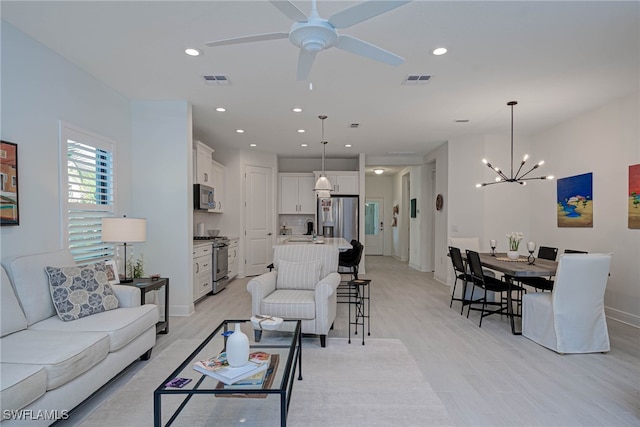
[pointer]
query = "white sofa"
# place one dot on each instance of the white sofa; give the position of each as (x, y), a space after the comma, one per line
(49, 366)
(302, 286)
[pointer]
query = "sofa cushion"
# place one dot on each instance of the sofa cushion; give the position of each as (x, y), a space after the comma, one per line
(122, 325)
(81, 291)
(63, 355)
(11, 315)
(290, 304)
(32, 284)
(21, 385)
(298, 275)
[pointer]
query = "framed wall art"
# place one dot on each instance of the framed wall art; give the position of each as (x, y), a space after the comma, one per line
(9, 207)
(112, 272)
(575, 201)
(634, 196)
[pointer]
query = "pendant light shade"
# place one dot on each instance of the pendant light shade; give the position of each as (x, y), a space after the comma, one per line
(323, 186)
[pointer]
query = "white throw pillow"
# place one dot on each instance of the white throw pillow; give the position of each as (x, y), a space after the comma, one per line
(298, 275)
(80, 291)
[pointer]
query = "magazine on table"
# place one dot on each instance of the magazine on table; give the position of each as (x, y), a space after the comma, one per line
(218, 367)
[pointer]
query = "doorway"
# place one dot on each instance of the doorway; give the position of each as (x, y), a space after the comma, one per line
(374, 226)
(258, 220)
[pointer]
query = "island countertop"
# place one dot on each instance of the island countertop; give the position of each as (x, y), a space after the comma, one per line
(339, 242)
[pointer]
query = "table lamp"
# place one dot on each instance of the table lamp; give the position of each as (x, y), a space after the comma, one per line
(124, 230)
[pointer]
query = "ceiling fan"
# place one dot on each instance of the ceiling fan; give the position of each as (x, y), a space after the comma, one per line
(313, 34)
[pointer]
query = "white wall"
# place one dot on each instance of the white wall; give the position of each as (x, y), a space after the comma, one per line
(439, 158)
(40, 88)
(606, 142)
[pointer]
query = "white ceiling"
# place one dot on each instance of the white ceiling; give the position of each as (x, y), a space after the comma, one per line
(557, 59)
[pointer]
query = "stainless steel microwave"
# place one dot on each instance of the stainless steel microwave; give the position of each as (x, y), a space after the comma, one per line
(203, 198)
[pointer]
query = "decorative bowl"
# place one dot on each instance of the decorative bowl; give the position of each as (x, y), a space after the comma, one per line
(267, 323)
(213, 233)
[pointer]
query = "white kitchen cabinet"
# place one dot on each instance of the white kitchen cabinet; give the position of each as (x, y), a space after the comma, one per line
(218, 184)
(296, 193)
(343, 182)
(233, 257)
(204, 170)
(202, 270)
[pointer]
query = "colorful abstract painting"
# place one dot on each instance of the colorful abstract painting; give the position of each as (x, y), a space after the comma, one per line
(575, 201)
(634, 196)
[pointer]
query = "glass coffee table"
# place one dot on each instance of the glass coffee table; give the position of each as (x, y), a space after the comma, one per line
(206, 401)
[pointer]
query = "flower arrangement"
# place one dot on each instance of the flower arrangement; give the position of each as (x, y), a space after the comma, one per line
(515, 237)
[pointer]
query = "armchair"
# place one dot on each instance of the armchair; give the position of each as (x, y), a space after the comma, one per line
(302, 286)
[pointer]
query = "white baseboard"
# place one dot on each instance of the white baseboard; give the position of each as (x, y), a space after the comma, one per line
(181, 310)
(622, 317)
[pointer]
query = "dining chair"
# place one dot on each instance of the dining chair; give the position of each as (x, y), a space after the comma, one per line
(488, 284)
(542, 283)
(460, 273)
(571, 319)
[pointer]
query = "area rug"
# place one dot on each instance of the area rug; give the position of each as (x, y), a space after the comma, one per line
(378, 384)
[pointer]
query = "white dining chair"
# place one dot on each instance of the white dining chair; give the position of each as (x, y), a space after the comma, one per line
(570, 319)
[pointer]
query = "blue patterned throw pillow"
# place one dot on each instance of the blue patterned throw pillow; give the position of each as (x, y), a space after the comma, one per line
(80, 291)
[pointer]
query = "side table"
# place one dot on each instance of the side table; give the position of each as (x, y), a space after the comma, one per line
(360, 299)
(146, 285)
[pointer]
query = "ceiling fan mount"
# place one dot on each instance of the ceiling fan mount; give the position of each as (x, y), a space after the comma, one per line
(312, 34)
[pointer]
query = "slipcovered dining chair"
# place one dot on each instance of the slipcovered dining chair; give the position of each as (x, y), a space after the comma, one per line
(542, 283)
(571, 319)
(301, 286)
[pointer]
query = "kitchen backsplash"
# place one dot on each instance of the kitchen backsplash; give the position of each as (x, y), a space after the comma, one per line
(294, 224)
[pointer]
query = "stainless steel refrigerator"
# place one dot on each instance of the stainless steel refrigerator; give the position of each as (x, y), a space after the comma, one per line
(338, 217)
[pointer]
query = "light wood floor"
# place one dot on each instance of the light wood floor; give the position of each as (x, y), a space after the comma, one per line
(485, 376)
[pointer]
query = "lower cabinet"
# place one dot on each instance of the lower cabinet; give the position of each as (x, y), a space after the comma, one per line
(202, 271)
(233, 257)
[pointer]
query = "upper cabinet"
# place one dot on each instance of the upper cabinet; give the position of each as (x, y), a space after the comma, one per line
(296, 193)
(204, 171)
(218, 185)
(343, 182)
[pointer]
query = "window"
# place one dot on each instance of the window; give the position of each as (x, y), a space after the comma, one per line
(87, 191)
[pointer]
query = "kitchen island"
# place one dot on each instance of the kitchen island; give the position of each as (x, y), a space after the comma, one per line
(339, 242)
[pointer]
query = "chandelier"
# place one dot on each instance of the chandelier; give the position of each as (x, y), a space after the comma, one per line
(323, 186)
(519, 178)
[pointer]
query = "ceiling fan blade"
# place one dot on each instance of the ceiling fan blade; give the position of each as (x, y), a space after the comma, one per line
(362, 48)
(305, 61)
(249, 39)
(290, 10)
(363, 11)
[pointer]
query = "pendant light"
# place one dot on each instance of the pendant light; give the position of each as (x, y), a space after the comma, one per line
(517, 178)
(323, 187)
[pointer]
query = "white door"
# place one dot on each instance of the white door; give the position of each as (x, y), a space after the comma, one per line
(374, 226)
(258, 214)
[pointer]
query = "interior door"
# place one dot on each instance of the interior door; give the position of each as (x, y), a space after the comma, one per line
(374, 226)
(258, 214)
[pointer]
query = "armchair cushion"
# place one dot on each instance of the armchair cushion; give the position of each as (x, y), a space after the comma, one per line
(80, 291)
(290, 304)
(298, 275)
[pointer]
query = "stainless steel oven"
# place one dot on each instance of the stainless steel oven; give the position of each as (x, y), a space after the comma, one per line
(220, 263)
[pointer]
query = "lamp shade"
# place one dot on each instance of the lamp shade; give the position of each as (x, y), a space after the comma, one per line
(323, 184)
(124, 230)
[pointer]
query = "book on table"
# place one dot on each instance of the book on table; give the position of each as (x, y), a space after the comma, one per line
(217, 367)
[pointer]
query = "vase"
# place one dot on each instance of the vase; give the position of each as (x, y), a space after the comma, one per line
(237, 348)
(513, 254)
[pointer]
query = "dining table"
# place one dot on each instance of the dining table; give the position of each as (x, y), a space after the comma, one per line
(515, 269)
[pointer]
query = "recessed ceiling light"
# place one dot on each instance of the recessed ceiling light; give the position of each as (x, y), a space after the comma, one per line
(347, 145)
(304, 145)
(253, 145)
(378, 171)
(301, 131)
(240, 130)
(439, 51)
(193, 52)
(221, 109)
(297, 110)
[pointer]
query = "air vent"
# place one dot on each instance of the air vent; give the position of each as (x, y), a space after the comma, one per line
(354, 125)
(216, 80)
(416, 79)
(462, 121)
